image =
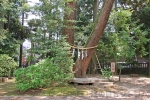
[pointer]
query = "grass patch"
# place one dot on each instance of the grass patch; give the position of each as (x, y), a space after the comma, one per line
(68, 90)
(7, 88)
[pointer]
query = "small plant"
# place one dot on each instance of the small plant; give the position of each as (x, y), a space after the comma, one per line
(106, 73)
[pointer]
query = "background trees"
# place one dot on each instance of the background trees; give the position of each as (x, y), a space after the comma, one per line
(7, 42)
(49, 44)
(48, 29)
(144, 15)
(11, 27)
(123, 36)
(11, 34)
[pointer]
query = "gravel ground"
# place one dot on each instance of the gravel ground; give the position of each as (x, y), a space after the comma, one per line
(94, 97)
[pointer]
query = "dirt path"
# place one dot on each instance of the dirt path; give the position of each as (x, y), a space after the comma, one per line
(94, 97)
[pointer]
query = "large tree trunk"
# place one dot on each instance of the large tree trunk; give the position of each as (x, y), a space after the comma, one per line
(116, 70)
(21, 45)
(93, 61)
(81, 66)
(149, 58)
(69, 19)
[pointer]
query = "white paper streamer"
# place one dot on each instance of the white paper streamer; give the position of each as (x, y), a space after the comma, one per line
(73, 52)
(86, 53)
(82, 54)
(78, 53)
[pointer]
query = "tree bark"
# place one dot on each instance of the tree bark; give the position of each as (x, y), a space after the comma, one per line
(82, 65)
(95, 9)
(93, 61)
(149, 58)
(21, 45)
(69, 19)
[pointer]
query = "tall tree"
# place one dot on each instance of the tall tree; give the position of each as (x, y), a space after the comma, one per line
(81, 66)
(8, 44)
(95, 12)
(50, 27)
(5, 6)
(69, 20)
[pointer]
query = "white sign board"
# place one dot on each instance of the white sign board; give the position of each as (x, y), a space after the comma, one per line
(113, 67)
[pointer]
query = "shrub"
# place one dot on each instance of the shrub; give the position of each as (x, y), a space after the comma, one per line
(43, 74)
(51, 71)
(7, 65)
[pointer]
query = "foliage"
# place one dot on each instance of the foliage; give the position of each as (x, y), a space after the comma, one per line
(2, 34)
(47, 41)
(144, 16)
(5, 5)
(123, 38)
(19, 9)
(134, 4)
(84, 21)
(10, 27)
(7, 65)
(121, 19)
(61, 52)
(85, 13)
(8, 45)
(106, 73)
(34, 76)
(56, 70)
(119, 66)
(48, 29)
(43, 74)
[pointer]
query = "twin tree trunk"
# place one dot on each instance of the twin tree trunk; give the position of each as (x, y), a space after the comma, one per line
(81, 66)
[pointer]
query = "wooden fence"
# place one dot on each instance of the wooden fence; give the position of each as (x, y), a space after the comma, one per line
(128, 68)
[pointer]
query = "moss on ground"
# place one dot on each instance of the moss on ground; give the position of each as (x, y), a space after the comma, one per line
(9, 89)
(68, 90)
